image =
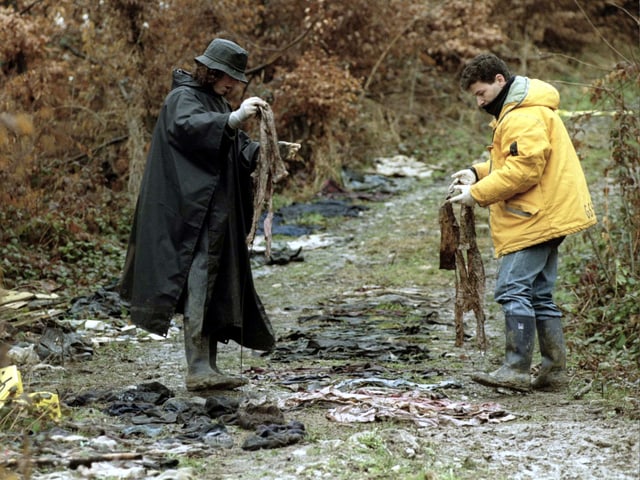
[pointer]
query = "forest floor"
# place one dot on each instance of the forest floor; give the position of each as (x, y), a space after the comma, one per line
(365, 361)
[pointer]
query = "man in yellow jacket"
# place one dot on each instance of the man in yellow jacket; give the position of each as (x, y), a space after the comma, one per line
(537, 194)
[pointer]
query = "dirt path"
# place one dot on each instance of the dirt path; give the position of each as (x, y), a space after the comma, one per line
(347, 314)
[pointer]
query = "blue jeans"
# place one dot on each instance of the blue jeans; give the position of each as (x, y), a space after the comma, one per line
(526, 280)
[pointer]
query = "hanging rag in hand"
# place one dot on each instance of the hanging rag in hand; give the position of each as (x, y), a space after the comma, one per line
(456, 240)
(269, 171)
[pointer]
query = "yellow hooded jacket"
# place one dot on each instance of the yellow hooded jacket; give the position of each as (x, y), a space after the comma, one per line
(533, 183)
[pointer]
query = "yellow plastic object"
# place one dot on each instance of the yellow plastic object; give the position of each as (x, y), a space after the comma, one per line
(46, 402)
(11, 390)
(10, 383)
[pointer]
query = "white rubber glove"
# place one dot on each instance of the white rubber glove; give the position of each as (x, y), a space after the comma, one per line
(463, 177)
(247, 109)
(464, 197)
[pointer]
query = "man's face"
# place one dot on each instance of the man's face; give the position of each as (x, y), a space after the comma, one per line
(484, 92)
(225, 85)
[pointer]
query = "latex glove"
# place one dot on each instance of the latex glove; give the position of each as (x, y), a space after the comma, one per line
(464, 197)
(463, 177)
(247, 109)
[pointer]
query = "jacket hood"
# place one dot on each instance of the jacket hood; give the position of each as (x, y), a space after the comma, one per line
(528, 92)
(182, 78)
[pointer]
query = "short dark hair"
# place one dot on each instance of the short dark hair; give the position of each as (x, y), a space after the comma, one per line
(483, 68)
(206, 76)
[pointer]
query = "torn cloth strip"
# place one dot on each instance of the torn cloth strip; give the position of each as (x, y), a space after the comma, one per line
(269, 171)
(459, 251)
(373, 404)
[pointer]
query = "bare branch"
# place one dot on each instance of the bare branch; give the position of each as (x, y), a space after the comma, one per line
(115, 140)
(630, 15)
(280, 52)
(598, 32)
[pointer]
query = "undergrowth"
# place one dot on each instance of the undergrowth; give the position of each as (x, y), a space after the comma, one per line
(602, 270)
(62, 252)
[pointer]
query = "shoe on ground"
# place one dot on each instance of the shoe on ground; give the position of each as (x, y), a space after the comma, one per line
(504, 377)
(555, 380)
(213, 381)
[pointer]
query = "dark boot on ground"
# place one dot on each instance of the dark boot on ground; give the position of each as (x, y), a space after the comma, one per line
(201, 352)
(520, 333)
(233, 381)
(553, 370)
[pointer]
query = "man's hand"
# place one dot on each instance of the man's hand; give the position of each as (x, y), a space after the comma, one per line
(463, 177)
(247, 109)
(464, 197)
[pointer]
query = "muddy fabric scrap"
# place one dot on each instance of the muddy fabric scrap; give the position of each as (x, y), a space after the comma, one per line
(103, 303)
(459, 251)
(374, 404)
(221, 406)
(152, 392)
(396, 383)
(282, 256)
(149, 407)
(326, 208)
(149, 392)
(364, 329)
(366, 186)
(280, 226)
(200, 429)
(329, 345)
(275, 436)
(269, 171)
(289, 220)
(255, 412)
(449, 237)
(57, 346)
(470, 279)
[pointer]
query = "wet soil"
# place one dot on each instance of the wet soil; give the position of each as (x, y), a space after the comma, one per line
(359, 320)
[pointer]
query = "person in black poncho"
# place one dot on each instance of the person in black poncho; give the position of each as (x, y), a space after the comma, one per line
(187, 252)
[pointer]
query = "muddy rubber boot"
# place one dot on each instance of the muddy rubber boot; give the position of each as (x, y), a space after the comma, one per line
(200, 374)
(229, 381)
(520, 334)
(553, 374)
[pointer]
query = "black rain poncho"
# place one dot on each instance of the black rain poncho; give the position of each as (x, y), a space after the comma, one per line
(197, 174)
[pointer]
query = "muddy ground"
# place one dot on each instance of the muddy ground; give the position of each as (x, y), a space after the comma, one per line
(366, 304)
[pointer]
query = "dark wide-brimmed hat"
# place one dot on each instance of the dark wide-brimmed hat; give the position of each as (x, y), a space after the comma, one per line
(226, 56)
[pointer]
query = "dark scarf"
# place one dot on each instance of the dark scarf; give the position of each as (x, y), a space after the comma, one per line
(495, 107)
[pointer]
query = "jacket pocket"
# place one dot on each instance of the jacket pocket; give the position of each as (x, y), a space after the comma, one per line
(525, 205)
(520, 210)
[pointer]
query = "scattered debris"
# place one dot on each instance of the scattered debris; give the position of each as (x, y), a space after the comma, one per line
(287, 221)
(148, 407)
(402, 166)
(56, 346)
(255, 412)
(396, 383)
(275, 436)
(363, 329)
(364, 405)
(104, 303)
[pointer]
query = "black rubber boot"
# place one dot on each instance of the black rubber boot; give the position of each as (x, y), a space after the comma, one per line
(553, 371)
(520, 333)
(229, 381)
(201, 353)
